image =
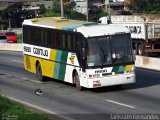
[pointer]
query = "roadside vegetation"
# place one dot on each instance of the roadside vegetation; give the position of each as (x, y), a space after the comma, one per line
(19, 38)
(145, 6)
(69, 12)
(16, 14)
(13, 111)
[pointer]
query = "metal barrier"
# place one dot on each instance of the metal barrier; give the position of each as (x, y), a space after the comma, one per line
(141, 61)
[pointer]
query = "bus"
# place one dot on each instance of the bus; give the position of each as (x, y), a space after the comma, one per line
(88, 55)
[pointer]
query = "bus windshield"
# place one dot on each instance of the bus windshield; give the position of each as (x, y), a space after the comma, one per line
(108, 50)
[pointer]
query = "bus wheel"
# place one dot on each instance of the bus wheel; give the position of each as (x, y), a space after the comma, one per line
(39, 72)
(77, 81)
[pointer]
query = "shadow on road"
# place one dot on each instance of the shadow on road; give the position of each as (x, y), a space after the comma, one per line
(144, 79)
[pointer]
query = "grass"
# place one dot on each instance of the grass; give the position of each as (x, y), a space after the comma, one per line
(15, 111)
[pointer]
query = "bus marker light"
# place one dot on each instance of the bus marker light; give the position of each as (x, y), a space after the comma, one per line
(90, 76)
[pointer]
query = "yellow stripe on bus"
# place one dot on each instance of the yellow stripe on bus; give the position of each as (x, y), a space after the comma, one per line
(128, 67)
(59, 28)
(53, 54)
(47, 66)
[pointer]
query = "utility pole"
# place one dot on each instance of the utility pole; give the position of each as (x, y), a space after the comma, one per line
(87, 10)
(62, 10)
(9, 20)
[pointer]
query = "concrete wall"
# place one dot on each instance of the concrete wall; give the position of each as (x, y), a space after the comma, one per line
(16, 30)
(148, 62)
(141, 61)
(11, 46)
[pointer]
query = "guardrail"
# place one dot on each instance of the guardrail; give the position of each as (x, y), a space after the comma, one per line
(148, 63)
(16, 30)
(141, 61)
(11, 46)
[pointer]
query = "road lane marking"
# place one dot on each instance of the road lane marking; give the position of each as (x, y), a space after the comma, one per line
(17, 61)
(27, 79)
(47, 111)
(121, 104)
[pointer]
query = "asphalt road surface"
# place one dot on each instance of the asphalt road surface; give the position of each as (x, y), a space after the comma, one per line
(64, 99)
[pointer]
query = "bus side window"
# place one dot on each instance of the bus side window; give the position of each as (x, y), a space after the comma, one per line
(42, 38)
(63, 42)
(58, 39)
(53, 39)
(36, 37)
(29, 36)
(49, 39)
(45, 39)
(74, 42)
(25, 32)
(69, 42)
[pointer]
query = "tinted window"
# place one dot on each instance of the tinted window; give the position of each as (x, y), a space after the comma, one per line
(99, 51)
(121, 48)
(51, 38)
(3, 37)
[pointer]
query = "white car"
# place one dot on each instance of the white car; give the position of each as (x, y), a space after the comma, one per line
(3, 39)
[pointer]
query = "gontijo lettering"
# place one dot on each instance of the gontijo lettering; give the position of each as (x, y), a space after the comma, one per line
(27, 49)
(39, 51)
(36, 51)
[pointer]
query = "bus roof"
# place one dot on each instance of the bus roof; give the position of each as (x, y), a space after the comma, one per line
(88, 29)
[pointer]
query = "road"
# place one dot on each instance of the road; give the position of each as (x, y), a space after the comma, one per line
(143, 97)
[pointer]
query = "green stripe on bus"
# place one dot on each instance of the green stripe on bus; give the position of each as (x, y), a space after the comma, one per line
(62, 71)
(56, 70)
(121, 69)
(58, 55)
(115, 69)
(64, 56)
(63, 66)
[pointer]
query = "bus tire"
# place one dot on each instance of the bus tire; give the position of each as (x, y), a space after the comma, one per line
(77, 81)
(39, 72)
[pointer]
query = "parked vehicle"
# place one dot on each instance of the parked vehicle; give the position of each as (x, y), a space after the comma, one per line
(3, 39)
(145, 31)
(11, 37)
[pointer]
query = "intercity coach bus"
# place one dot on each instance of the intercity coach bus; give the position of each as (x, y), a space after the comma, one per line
(86, 54)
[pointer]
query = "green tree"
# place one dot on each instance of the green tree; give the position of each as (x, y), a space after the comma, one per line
(42, 9)
(95, 13)
(69, 12)
(16, 15)
(145, 6)
(56, 6)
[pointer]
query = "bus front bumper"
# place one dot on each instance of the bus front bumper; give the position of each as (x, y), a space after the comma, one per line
(111, 80)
